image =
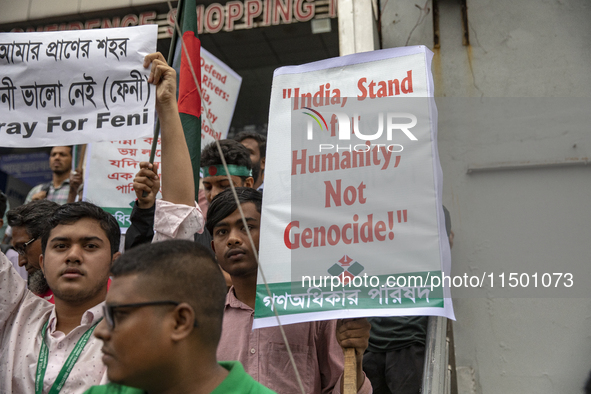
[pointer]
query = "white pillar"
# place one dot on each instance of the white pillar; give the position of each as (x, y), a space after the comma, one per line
(357, 27)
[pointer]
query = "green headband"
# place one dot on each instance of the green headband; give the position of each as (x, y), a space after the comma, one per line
(219, 170)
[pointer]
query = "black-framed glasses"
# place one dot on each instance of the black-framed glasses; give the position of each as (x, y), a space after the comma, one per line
(108, 310)
(22, 250)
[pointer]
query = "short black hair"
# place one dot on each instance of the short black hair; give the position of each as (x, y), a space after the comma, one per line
(2, 204)
(72, 212)
(259, 138)
(224, 204)
(65, 146)
(234, 153)
(33, 216)
(183, 271)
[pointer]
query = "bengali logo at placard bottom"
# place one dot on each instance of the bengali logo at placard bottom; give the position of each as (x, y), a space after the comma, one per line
(344, 269)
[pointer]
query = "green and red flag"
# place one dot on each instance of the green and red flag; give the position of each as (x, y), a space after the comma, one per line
(189, 100)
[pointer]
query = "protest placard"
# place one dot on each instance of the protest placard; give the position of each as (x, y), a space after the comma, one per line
(112, 167)
(75, 87)
(353, 222)
(220, 86)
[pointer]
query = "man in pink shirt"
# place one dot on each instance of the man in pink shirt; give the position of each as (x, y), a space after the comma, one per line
(316, 346)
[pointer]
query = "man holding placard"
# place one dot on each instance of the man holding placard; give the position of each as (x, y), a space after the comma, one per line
(316, 346)
(61, 189)
(46, 347)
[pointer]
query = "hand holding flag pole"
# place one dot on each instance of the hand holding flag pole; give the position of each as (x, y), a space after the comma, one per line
(170, 58)
(183, 54)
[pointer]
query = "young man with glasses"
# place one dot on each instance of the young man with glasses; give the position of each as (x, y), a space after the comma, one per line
(46, 348)
(28, 222)
(173, 293)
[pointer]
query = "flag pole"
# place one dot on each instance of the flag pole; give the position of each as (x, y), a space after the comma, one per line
(170, 59)
(171, 50)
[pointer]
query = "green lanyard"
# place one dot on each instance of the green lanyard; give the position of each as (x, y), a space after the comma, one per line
(66, 369)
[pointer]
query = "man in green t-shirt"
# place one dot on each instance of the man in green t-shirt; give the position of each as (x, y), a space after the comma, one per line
(163, 322)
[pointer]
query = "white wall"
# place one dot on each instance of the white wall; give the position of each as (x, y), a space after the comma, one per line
(524, 219)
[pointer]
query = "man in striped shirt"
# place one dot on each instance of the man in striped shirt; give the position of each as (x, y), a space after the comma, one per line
(62, 188)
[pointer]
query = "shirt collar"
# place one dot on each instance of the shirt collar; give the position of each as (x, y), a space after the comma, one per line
(233, 302)
(65, 182)
(90, 317)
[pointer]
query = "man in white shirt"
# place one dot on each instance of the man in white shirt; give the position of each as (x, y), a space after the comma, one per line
(37, 338)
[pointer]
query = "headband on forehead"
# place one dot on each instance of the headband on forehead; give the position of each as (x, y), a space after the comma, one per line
(219, 170)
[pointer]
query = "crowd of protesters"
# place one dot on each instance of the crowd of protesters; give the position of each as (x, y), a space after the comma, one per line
(173, 313)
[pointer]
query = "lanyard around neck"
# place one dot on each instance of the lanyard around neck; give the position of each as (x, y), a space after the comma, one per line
(66, 368)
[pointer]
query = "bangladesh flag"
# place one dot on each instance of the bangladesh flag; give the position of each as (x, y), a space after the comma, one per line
(188, 95)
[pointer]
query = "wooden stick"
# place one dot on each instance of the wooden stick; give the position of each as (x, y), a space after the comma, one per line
(81, 155)
(350, 375)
